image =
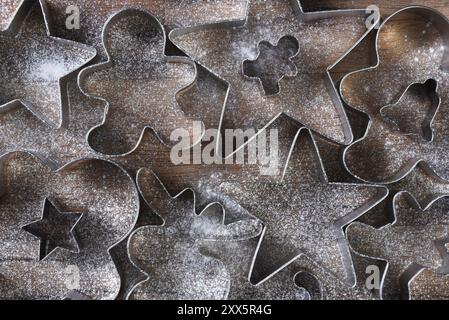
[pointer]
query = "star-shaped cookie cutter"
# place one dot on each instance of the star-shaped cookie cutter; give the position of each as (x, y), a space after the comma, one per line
(272, 21)
(36, 70)
(49, 227)
(299, 216)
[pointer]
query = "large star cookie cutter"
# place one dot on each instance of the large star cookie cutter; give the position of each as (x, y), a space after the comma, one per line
(304, 214)
(203, 179)
(258, 59)
(36, 65)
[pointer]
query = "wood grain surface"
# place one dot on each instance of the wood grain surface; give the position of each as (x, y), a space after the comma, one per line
(361, 57)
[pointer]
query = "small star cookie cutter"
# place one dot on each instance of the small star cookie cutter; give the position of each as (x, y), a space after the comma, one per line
(49, 229)
(77, 253)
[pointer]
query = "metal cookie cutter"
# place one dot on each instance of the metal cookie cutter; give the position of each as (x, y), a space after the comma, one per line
(139, 83)
(6, 12)
(239, 50)
(36, 65)
(412, 243)
(74, 252)
(55, 229)
(24, 129)
(168, 253)
(406, 95)
(304, 214)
